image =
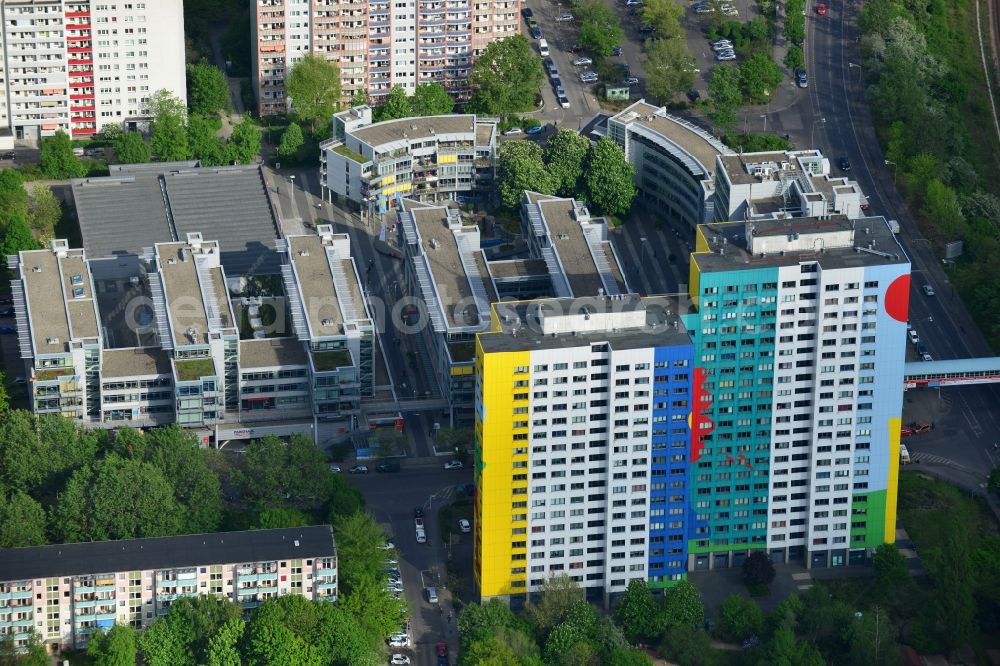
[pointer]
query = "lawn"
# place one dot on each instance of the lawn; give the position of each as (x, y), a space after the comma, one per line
(927, 508)
(193, 369)
(52, 373)
(449, 515)
(331, 360)
(350, 154)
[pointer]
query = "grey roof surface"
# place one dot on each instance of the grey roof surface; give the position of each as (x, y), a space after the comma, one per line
(441, 249)
(411, 129)
(272, 352)
(517, 268)
(314, 274)
(567, 237)
(134, 362)
(53, 310)
(128, 212)
(868, 230)
(663, 326)
(735, 165)
(77, 559)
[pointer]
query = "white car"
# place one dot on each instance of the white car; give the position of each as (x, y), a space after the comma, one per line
(463, 524)
(726, 55)
(564, 102)
(926, 357)
(399, 641)
(513, 131)
(914, 338)
(399, 660)
(722, 46)
(565, 17)
(395, 587)
(335, 469)
(454, 464)
(421, 535)
(359, 469)
(580, 62)
(721, 42)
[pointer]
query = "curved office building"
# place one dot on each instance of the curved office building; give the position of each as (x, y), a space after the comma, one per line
(674, 160)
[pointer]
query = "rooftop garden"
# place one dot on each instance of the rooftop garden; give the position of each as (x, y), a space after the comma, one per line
(462, 351)
(194, 369)
(331, 360)
(350, 154)
(49, 374)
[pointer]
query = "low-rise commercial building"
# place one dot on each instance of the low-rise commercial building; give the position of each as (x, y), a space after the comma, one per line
(429, 159)
(66, 592)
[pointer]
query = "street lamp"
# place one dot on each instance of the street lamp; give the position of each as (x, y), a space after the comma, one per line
(812, 134)
(764, 116)
(861, 72)
(890, 162)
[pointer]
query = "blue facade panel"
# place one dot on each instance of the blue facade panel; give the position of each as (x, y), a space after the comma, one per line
(669, 469)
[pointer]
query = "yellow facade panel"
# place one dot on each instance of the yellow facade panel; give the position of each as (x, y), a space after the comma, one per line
(694, 279)
(892, 483)
(447, 159)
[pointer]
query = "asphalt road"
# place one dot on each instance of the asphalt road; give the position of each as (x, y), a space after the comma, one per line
(836, 94)
(391, 498)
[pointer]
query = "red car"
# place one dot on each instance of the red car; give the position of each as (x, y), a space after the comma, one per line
(821, 9)
(905, 431)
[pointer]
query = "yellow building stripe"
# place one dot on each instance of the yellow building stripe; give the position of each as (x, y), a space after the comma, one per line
(494, 551)
(892, 483)
(444, 158)
(694, 280)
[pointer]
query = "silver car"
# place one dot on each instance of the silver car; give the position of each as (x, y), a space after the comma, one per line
(579, 62)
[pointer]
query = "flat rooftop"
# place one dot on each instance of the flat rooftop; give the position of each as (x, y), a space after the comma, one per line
(410, 129)
(272, 352)
(321, 302)
(183, 293)
(694, 140)
(60, 299)
(134, 362)
(736, 165)
(484, 133)
(873, 244)
(96, 557)
(568, 236)
(141, 205)
(521, 328)
(518, 268)
(441, 249)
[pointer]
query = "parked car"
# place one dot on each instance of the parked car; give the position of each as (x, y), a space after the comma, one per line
(513, 131)
(9, 155)
(560, 92)
(464, 525)
(726, 55)
(421, 535)
(631, 81)
(387, 467)
(693, 96)
(565, 17)
(418, 512)
(395, 587)
(527, 13)
(399, 660)
(359, 469)
(928, 290)
(616, 50)
(581, 61)
(418, 522)
(914, 338)
(905, 431)
(431, 594)
(801, 78)
(588, 77)
(454, 464)
(534, 129)
(335, 469)
(821, 8)
(8, 330)
(564, 102)
(535, 32)
(926, 356)
(20, 380)
(723, 45)
(399, 640)
(844, 162)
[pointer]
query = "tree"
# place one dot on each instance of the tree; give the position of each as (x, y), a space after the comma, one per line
(57, 160)
(477, 622)
(116, 498)
(664, 16)
(44, 210)
(760, 76)
(183, 636)
(431, 99)
(519, 168)
(558, 595)
(16, 236)
(687, 645)
(993, 483)
(360, 98)
(724, 92)
(270, 519)
(628, 657)
(873, 640)
(269, 643)
(33, 653)
(117, 647)
(738, 618)
(208, 90)
(954, 606)
(388, 442)
(396, 104)
(244, 142)
(291, 141)
(488, 652)
(175, 452)
(168, 140)
(669, 68)
(784, 650)
(682, 605)
(609, 178)
(360, 542)
(131, 148)
(205, 145)
(636, 611)
(22, 521)
(374, 608)
(506, 77)
(564, 154)
(313, 86)
(13, 196)
(794, 59)
(454, 439)
(757, 569)
(223, 647)
(890, 566)
(600, 30)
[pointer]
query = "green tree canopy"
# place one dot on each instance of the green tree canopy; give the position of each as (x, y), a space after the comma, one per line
(669, 68)
(57, 160)
(664, 16)
(564, 154)
(488, 652)
(396, 104)
(116, 498)
(738, 618)
(725, 95)
(208, 90)
(168, 139)
(600, 30)
(175, 452)
(291, 141)
(559, 594)
(506, 77)
(13, 197)
(117, 647)
(22, 521)
(244, 142)
(131, 148)
(203, 141)
(890, 566)
(431, 99)
(360, 542)
(223, 646)
(183, 636)
(519, 168)
(636, 611)
(760, 76)
(44, 210)
(757, 569)
(314, 88)
(478, 622)
(609, 178)
(784, 650)
(682, 605)
(280, 517)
